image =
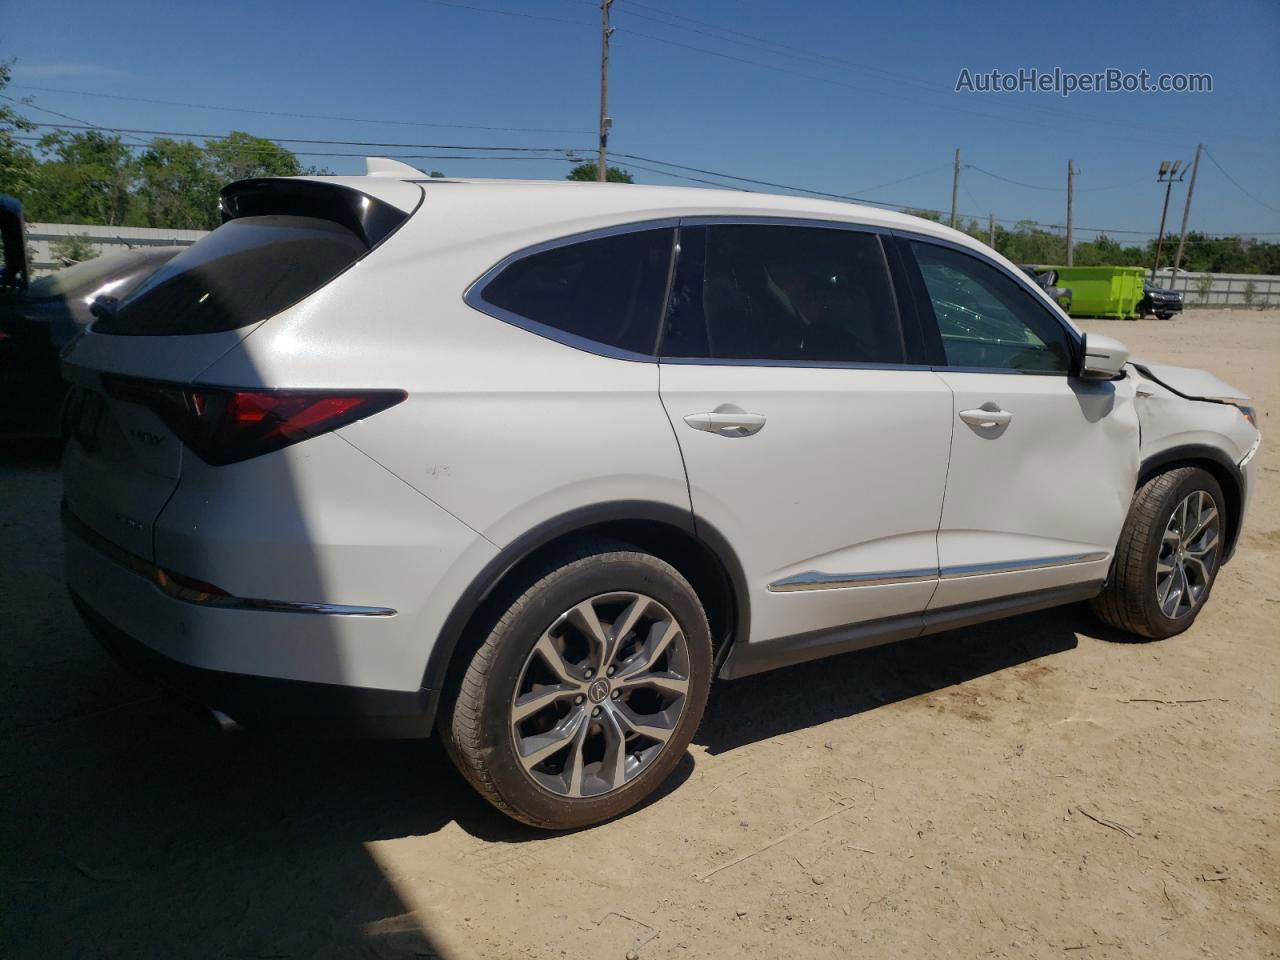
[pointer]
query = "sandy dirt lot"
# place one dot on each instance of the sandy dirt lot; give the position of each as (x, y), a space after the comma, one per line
(1034, 788)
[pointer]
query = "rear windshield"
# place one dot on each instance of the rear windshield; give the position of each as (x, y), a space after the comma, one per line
(247, 270)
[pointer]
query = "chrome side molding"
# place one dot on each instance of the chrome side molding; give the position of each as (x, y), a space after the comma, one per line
(1016, 566)
(817, 580)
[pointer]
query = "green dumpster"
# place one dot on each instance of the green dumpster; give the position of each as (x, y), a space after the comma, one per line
(1101, 291)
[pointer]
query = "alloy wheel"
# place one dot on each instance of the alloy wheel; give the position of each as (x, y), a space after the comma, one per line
(1184, 567)
(600, 694)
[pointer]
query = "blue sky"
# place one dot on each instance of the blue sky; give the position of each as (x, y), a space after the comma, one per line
(834, 96)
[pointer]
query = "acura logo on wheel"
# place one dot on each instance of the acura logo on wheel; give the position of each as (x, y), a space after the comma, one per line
(598, 692)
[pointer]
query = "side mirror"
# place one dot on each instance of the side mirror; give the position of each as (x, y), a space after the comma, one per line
(1102, 357)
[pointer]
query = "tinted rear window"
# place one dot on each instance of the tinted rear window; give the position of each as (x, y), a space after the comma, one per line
(782, 294)
(608, 289)
(247, 270)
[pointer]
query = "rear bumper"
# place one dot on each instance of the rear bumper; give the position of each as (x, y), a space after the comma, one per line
(264, 667)
(267, 702)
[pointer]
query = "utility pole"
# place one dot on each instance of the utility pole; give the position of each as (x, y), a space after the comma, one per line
(1070, 190)
(1186, 213)
(1166, 175)
(955, 187)
(605, 120)
(991, 222)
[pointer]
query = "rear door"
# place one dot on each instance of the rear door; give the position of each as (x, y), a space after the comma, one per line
(810, 444)
(1043, 464)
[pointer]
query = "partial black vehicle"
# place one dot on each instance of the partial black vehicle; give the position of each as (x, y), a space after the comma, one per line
(1160, 301)
(1047, 280)
(39, 317)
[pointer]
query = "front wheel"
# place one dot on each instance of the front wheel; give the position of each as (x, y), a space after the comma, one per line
(587, 691)
(1167, 557)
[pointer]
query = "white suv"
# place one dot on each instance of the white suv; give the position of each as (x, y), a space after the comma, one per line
(530, 463)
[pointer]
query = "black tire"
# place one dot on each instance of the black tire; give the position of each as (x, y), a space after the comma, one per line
(1130, 601)
(1164, 316)
(476, 724)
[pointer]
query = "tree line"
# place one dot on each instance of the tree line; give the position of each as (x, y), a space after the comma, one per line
(1029, 242)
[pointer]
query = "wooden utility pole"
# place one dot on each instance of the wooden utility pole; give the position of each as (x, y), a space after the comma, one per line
(1186, 213)
(955, 188)
(991, 224)
(605, 120)
(1168, 175)
(1070, 191)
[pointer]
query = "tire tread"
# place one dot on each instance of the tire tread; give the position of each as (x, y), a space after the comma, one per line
(1122, 601)
(462, 732)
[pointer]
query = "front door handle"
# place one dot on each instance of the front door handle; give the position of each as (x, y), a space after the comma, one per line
(726, 424)
(987, 416)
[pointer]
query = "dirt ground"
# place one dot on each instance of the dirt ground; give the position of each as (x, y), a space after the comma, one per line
(1033, 788)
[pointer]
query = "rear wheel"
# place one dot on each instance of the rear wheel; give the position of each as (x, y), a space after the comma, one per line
(1167, 557)
(585, 694)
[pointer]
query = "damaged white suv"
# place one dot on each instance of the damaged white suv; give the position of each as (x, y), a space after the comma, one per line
(530, 464)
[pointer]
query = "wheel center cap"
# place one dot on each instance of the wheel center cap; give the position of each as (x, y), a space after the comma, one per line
(598, 692)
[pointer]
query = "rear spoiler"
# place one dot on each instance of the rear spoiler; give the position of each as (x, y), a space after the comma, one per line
(370, 219)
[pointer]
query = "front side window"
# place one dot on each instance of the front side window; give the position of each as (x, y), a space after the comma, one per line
(782, 293)
(607, 289)
(986, 320)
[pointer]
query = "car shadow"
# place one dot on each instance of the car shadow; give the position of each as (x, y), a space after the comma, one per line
(133, 827)
(768, 705)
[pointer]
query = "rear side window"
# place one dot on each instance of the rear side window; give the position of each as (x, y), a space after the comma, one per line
(987, 321)
(783, 294)
(607, 289)
(247, 270)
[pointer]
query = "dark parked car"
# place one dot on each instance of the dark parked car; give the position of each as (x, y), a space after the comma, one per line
(1163, 303)
(39, 317)
(1048, 281)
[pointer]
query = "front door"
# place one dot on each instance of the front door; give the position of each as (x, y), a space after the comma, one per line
(1043, 464)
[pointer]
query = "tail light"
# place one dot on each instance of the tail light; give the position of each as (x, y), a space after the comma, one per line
(224, 425)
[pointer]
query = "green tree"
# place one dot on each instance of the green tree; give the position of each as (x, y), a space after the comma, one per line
(85, 178)
(177, 187)
(17, 164)
(239, 156)
(588, 171)
(74, 248)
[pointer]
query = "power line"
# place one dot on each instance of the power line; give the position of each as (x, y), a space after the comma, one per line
(28, 104)
(1034, 186)
(914, 176)
(1236, 183)
(338, 143)
(754, 63)
(251, 147)
(1016, 183)
(283, 113)
(883, 203)
(565, 150)
(509, 13)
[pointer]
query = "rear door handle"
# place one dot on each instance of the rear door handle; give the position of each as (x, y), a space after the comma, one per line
(726, 424)
(981, 417)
